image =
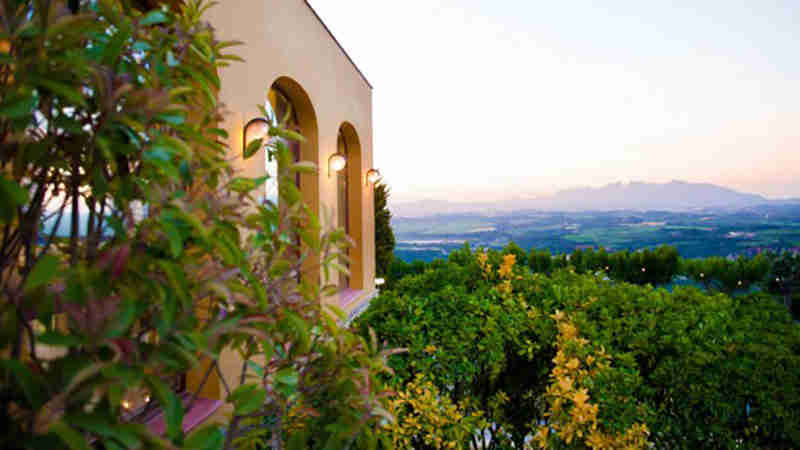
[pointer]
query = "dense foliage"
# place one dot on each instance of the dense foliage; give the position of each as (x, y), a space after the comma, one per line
(784, 280)
(727, 275)
(647, 266)
(658, 266)
(108, 120)
(686, 368)
(384, 236)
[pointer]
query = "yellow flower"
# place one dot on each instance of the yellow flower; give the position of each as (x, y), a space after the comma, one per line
(570, 415)
(581, 397)
(508, 265)
(573, 364)
(565, 384)
(430, 349)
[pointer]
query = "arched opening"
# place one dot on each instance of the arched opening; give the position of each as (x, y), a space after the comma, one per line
(288, 103)
(279, 109)
(286, 99)
(349, 191)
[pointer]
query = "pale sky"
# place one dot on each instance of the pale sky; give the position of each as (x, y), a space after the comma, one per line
(490, 99)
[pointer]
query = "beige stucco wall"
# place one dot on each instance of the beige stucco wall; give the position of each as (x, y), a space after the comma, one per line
(284, 38)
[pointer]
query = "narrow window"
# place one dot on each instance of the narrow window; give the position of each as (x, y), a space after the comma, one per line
(342, 184)
(278, 107)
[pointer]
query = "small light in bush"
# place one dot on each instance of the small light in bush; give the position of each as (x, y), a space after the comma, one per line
(740, 282)
(373, 176)
(257, 128)
(147, 399)
(644, 270)
(336, 163)
(702, 275)
(379, 281)
(606, 268)
(126, 404)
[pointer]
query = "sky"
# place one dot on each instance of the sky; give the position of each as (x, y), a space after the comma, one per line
(496, 99)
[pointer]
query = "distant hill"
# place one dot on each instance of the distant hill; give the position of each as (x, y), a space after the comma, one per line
(672, 196)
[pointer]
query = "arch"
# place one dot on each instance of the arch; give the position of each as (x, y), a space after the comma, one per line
(305, 120)
(348, 138)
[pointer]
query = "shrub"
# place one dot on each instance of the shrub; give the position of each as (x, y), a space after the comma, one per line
(110, 113)
(573, 418)
(467, 332)
(426, 419)
(698, 369)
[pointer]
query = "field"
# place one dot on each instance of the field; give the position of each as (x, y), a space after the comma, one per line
(695, 234)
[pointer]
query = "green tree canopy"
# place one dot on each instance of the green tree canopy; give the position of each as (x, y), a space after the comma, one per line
(384, 236)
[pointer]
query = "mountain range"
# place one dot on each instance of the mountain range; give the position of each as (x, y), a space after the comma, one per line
(672, 196)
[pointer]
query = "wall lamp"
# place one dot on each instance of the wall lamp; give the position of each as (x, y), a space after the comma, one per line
(257, 128)
(373, 176)
(336, 162)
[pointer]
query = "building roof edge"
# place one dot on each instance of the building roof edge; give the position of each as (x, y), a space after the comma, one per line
(338, 44)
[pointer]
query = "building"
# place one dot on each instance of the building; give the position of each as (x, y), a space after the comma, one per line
(292, 59)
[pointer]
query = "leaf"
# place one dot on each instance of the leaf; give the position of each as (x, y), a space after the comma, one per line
(298, 441)
(287, 134)
(103, 426)
(242, 185)
(288, 377)
(171, 60)
(70, 22)
(247, 398)
(140, 46)
(44, 271)
(158, 153)
(67, 91)
(174, 236)
(11, 196)
(31, 385)
(73, 439)
(255, 368)
(124, 319)
(176, 118)
(173, 409)
(19, 105)
(210, 437)
(113, 49)
(304, 167)
(58, 339)
(253, 147)
(153, 18)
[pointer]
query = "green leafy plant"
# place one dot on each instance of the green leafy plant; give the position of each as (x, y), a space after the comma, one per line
(698, 369)
(384, 236)
(132, 252)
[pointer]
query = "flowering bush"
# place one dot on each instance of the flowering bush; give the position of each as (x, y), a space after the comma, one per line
(425, 419)
(693, 369)
(572, 417)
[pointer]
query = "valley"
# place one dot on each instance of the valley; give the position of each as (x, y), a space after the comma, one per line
(696, 233)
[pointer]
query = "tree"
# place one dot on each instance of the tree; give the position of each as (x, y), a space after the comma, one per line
(728, 276)
(109, 113)
(384, 236)
(784, 278)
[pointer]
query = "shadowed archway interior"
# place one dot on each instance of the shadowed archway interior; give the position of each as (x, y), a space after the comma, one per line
(350, 185)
